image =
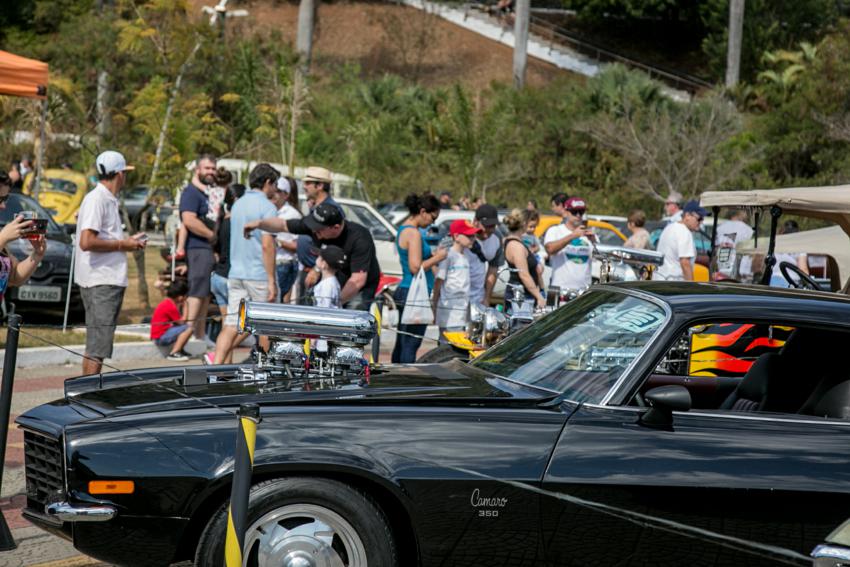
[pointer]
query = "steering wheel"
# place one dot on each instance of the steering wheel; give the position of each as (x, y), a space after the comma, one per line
(805, 281)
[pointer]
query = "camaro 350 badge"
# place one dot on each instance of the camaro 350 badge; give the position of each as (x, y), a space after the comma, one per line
(487, 507)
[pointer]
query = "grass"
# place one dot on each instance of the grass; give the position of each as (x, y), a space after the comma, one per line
(70, 337)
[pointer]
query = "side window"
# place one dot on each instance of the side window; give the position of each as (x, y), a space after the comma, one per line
(721, 349)
(364, 216)
(738, 367)
(609, 237)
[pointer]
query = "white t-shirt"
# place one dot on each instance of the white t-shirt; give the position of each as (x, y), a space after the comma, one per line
(326, 293)
(491, 247)
(676, 242)
(99, 212)
(453, 305)
(571, 265)
(730, 233)
(286, 212)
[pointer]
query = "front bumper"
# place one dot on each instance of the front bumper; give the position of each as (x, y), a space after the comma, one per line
(65, 512)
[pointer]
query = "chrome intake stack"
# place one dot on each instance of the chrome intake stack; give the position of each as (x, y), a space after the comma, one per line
(310, 347)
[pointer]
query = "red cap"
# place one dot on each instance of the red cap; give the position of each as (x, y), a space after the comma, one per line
(575, 204)
(461, 226)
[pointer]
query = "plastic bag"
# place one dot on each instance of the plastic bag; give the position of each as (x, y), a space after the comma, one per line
(417, 308)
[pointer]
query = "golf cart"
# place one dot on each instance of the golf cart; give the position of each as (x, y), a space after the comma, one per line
(828, 246)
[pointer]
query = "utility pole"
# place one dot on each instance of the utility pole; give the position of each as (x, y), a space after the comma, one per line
(521, 18)
(304, 40)
(304, 48)
(736, 32)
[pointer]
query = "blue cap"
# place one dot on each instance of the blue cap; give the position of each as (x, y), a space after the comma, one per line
(693, 207)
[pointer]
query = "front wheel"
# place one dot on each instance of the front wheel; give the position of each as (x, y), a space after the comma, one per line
(305, 521)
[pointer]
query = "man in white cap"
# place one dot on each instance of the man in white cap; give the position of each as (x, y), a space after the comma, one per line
(100, 268)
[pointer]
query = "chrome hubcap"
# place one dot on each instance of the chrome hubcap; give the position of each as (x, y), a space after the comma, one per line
(303, 535)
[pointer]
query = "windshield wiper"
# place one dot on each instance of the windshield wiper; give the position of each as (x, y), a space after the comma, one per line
(551, 402)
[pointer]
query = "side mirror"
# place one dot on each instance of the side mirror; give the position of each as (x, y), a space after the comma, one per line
(663, 401)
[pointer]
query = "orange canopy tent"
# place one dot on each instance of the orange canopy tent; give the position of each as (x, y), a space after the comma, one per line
(24, 77)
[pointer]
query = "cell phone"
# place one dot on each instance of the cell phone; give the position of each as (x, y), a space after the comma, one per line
(143, 238)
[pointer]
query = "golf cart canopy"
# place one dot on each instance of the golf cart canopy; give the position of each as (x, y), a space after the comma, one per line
(831, 203)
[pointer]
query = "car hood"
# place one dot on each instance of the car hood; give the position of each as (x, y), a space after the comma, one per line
(452, 383)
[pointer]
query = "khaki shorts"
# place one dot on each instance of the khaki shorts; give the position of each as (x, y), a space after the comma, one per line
(237, 290)
(102, 304)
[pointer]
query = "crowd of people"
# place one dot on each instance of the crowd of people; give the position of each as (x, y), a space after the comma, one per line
(252, 242)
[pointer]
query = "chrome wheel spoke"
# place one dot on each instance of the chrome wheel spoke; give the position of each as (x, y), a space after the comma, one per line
(308, 540)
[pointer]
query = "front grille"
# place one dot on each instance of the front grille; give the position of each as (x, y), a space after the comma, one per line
(44, 469)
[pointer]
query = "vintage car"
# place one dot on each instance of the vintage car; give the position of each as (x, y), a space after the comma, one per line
(61, 192)
(576, 441)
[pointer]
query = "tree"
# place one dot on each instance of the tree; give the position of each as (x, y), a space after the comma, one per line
(690, 148)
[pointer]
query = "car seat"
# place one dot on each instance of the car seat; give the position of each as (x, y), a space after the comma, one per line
(752, 392)
(831, 398)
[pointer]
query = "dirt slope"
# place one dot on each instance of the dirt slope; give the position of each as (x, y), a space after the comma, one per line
(390, 38)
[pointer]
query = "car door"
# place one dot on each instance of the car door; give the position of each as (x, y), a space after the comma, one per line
(382, 232)
(716, 488)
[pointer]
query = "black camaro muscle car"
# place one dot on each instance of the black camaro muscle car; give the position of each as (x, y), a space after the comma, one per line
(580, 440)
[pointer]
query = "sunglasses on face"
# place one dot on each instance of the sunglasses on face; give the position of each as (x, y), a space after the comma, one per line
(576, 212)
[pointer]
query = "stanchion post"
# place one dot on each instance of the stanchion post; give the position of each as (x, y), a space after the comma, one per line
(7, 542)
(377, 311)
(70, 282)
(237, 513)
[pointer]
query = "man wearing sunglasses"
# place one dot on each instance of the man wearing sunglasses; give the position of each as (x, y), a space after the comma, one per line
(569, 244)
(677, 245)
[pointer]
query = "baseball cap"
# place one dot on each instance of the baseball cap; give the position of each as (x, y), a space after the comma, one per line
(463, 226)
(674, 197)
(333, 255)
(283, 185)
(323, 216)
(319, 174)
(575, 204)
(487, 215)
(111, 162)
(693, 207)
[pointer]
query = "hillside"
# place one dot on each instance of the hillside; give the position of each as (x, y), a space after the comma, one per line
(383, 38)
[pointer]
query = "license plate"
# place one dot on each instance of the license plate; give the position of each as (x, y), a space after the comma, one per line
(39, 293)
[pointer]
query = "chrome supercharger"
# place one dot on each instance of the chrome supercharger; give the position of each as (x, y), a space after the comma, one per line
(310, 347)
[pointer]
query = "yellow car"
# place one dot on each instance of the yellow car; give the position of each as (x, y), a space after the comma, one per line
(607, 233)
(61, 193)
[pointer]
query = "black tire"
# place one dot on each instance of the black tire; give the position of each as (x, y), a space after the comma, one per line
(443, 353)
(354, 506)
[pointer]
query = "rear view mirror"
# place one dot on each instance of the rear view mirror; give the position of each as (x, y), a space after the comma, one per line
(663, 401)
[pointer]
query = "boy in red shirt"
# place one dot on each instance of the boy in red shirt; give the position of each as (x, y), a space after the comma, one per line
(167, 325)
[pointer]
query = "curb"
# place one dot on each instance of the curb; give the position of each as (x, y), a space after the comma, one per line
(52, 356)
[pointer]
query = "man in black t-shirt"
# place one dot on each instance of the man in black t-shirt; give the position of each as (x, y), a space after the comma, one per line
(360, 272)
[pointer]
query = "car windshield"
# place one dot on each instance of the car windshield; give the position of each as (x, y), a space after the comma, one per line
(56, 184)
(580, 350)
(18, 203)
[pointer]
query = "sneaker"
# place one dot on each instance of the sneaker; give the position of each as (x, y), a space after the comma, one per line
(208, 358)
(179, 356)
